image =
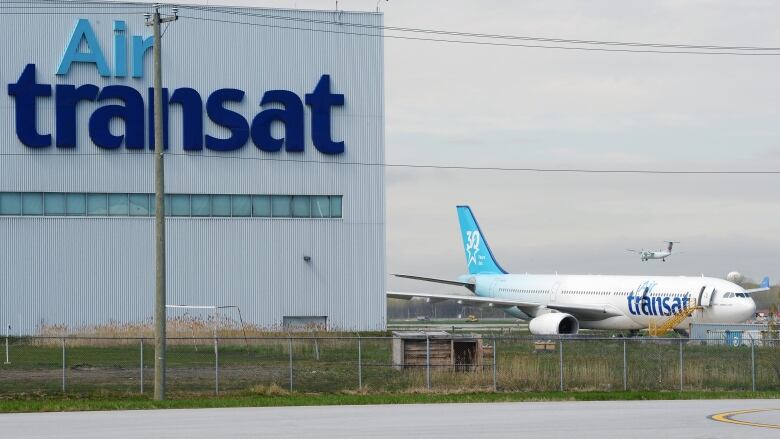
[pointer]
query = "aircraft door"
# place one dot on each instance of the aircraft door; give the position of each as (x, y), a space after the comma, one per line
(705, 296)
(495, 288)
(556, 288)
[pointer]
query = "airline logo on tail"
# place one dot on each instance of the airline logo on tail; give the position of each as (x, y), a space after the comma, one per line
(473, 238)
(479, 258)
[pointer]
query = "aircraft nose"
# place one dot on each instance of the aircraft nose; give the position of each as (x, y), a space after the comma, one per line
(750, 309)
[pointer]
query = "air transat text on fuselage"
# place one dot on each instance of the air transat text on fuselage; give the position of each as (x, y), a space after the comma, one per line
(641, 302)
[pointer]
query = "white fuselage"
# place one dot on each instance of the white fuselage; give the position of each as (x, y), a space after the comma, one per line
(638, 300)
(660, 254)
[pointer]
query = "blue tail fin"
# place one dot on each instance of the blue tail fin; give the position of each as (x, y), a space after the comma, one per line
(479, 257)
(764, 283)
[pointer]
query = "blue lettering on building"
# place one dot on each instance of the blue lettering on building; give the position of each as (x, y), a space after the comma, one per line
(126, 103)
(642, 302)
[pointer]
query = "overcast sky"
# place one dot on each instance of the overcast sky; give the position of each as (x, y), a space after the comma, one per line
(455, 104)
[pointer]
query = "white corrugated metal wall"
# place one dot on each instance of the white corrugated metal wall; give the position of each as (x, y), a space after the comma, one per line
(81, 271)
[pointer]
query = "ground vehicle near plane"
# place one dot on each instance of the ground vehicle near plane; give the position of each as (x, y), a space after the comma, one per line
(563, 304)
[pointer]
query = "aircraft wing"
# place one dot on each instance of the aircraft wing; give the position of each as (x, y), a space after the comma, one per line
(633, 251)
(763, 287)
(586, 312)
(460, 298)
(580, 311)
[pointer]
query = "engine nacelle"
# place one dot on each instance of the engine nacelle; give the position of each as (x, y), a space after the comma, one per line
(554, 323)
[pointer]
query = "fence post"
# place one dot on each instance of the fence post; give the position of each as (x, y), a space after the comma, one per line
(289, 347)
(142, 366)
(7, 333)
(560, 360)
(495, 378)
(216, 366)
(63, 364)
(360, 364)
(427, 362)
(682, 366)
(753, 362)
(625, 367)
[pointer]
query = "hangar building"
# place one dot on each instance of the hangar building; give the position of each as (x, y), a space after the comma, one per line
(273, 169)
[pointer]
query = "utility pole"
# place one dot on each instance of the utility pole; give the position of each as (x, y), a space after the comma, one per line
(155, 20)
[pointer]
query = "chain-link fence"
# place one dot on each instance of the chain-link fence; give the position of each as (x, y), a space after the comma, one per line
(200, 366)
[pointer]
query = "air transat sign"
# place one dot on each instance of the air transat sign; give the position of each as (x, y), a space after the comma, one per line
(126, 103)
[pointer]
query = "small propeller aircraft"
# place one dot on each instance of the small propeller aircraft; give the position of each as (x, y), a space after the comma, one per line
(646, 255)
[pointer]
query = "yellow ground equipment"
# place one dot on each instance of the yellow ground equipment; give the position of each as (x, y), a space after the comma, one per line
(657, 329)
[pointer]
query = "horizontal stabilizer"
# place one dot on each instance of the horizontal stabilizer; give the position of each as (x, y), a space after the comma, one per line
(468, 285)
(460, 298)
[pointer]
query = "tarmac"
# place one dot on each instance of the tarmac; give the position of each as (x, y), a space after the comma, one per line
(603, 420)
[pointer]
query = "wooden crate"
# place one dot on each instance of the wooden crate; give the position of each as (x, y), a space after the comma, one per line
(545, 346)
(443, 350)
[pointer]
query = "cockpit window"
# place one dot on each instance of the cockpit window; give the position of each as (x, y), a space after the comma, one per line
(729, 295)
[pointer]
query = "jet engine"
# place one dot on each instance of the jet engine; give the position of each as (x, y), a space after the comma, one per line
(554, 323)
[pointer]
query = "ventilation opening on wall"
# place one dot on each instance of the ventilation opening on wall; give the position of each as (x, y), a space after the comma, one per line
(305, 323)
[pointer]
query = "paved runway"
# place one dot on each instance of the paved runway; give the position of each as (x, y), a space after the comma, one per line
(603, 420)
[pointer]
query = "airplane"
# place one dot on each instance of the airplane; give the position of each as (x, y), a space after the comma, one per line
(556, 304)
(657, 254)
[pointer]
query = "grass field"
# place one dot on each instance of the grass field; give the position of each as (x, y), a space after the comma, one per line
(330, 365)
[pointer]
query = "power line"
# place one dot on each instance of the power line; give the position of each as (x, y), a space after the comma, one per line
(88, 3)
(486, 43)
(423, 166)
(244, 12)
(615, 46)
(472, 34)
(71, 13)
